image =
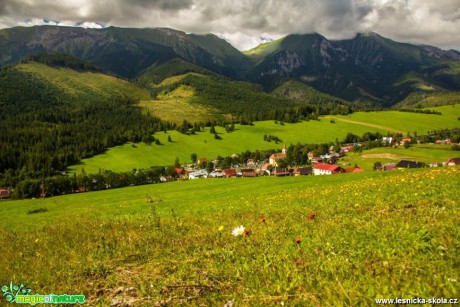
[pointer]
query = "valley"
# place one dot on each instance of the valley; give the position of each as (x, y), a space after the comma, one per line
(340, 156)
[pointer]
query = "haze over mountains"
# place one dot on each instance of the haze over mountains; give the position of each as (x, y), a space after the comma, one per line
(368, 67)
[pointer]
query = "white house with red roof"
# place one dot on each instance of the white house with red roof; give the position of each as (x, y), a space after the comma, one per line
(327, 169)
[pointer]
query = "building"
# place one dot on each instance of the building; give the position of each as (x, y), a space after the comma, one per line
(453, 161)
(327, 169)
(302, 171)
(4, 194)
(354, 170)
(409, 164)
(274, 158)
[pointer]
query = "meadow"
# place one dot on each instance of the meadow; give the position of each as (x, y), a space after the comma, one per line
(130, 156)
(426, 153)
(310, 241)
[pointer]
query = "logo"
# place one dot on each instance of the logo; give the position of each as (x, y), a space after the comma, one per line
(22, 295)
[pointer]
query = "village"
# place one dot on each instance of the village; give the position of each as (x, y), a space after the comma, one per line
(327, 164)
(332, 161)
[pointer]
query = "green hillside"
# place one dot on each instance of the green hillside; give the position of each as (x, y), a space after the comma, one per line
(32, 86)
(316, 240)
(85, 86)
(127, 157)
(300, 91)
(215, 92)
(430, 98)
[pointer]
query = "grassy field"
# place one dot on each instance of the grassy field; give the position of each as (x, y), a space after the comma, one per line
(127, 157)
(425, 153)
(395, 121)
(86, 85)
(176, 106)
(374, 235)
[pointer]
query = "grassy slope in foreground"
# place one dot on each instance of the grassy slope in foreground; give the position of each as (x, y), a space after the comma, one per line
(375, 235)
(126, 157)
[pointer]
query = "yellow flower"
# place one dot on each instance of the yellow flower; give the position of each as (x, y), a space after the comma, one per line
(221, 228)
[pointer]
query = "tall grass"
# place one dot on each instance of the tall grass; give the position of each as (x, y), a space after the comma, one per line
(372, 237)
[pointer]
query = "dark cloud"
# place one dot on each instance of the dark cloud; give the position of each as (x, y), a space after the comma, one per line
(243, 22)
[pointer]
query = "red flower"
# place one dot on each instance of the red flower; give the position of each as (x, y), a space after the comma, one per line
(262, 220)
(311, 215)
(298, 240)
(246, 232)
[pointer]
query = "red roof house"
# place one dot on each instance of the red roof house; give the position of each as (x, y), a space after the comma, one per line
(327, 169)
(354, 170)
(230, 172)
(4, 193)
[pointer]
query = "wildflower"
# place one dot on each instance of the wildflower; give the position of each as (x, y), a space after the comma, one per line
(298, 240)
(262, 220)
(246, 232)
(238, 231)
(220, 228)
(311, 216)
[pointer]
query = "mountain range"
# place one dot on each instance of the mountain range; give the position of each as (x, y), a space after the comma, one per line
(367, 68)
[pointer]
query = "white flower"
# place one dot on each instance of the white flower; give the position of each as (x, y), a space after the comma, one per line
(238, 231)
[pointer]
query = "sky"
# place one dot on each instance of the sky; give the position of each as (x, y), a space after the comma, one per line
(247, 23)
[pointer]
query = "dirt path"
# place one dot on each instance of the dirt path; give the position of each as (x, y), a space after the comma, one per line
(385, 156)
(364, 124)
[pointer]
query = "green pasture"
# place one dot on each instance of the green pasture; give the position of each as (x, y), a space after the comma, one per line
(373, 235)
(395, 121)
(129, 156)
(426, 153)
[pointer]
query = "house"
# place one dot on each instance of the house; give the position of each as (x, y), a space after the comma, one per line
(274, 158)
(408, 140)
(265, 166)
(347, 148)
(250, 162)
(217, 174)
(446, 141)
(409, 164)
(354, 170)
(263, 172)
(202, 160)
(230, 172)
(453, 161)
(180, 171)
(4, 194)
(327, 169)
(387, 140)
(302, 171)
(281, 172)
(202, 173)
(387, 167)
(248, 173)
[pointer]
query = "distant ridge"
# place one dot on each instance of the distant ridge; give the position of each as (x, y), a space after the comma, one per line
(368, 68)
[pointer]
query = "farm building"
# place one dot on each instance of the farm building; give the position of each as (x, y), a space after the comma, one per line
(302, 171)
(453, 161)
(409, 164)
